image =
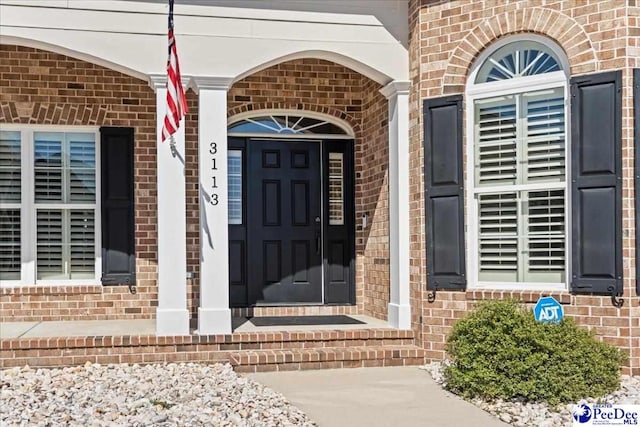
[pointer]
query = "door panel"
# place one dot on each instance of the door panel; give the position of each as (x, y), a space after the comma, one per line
(284, 200)
(339, 222)
(238, 223)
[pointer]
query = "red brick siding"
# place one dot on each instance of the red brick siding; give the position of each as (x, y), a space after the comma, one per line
(372, 164)
(41, 87)
(445, 38)
(321, 86)
(46, 88)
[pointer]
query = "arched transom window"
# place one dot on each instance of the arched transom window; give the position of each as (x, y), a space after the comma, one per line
(520, 59)
(518, 174)
(286, 124)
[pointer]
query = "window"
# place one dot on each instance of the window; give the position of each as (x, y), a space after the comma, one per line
(10, 205)
(336, 188)
(518, 177)
(234, 162)
(285, 124)
(49, 219)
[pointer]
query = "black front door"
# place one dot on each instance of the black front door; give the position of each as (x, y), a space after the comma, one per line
(284, 222)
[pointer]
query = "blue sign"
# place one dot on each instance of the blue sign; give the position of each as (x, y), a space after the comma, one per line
(548, 310)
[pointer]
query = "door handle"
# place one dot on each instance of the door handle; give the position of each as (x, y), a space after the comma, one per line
(317, 243)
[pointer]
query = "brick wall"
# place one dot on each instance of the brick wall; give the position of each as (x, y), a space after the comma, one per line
(322, 86)
(46, 88)
(445, 38)
(41, 87)
(372, 198)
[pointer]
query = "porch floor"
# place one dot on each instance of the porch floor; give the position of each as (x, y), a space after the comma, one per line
(145, 327)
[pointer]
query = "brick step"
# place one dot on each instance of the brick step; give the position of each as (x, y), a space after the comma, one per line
(317, 339)
(326, 358)
(66, 351)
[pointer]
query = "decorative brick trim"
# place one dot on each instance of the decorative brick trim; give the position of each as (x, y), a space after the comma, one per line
(51, 290)
(522, 296)
(566, 31)
(53, 114)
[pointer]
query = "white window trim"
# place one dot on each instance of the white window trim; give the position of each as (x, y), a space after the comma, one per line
(473, 92)
(28, 210)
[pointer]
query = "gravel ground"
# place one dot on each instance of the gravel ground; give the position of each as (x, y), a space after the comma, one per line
(184, 394)
(527, 414)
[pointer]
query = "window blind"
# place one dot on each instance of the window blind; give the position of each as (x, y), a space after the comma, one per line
(81, 243)
(545, 221)
(336, 189)
(50, 244)
(234, 171)
(496, 156)
(10, 251)
(81, 168)
(10, 167)
(65, 174)
(545, 135)
(498, 215)
(520, 140)
(48, 167)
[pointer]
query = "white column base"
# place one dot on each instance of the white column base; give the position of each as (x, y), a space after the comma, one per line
(399, 316)
(172, 322)
(214, 321)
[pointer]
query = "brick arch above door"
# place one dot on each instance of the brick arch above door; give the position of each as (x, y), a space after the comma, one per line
(266, 107)
(309, 84)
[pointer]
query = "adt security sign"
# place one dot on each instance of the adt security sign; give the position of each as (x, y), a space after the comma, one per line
(548, 310)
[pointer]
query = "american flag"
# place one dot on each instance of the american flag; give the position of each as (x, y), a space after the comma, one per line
(176, 100)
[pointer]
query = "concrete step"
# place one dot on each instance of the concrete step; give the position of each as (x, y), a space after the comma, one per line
(326, 358)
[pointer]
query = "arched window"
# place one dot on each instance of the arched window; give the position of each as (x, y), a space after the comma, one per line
(295, 123)
(518, 59)
(517, 115)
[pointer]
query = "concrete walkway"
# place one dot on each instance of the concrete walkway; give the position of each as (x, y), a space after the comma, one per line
(371, 397)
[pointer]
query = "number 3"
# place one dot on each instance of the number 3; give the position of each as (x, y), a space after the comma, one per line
(213, 148)
(214, 199)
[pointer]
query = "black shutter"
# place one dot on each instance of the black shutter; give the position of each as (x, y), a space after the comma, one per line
(444, 193)
(118, 225)
(596, 183)
(636, 149)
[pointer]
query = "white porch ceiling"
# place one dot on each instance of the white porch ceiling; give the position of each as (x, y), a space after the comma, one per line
(130, 36)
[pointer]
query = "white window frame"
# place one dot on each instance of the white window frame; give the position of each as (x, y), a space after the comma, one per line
(478, 91)
(28, 228)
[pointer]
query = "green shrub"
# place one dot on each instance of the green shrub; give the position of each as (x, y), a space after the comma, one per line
(500, 351)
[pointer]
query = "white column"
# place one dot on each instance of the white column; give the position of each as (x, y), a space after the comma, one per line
(172, 316)
(214, 315)
(399, 310)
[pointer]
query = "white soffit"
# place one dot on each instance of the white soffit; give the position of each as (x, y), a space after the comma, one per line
(215, 41)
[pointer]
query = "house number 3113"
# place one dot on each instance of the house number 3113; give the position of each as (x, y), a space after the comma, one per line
(213, 150)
